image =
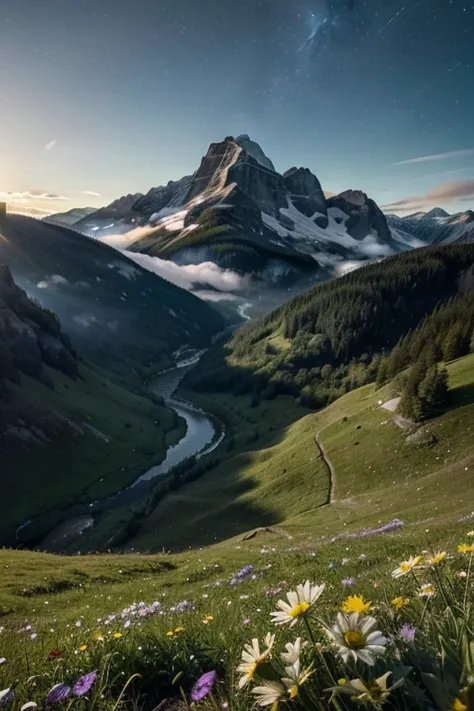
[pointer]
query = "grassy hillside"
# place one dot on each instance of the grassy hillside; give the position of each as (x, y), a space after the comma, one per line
(110, 435)
(378, 473)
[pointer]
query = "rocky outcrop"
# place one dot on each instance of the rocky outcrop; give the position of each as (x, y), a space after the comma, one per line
(30, 336)
(306, 192)
(364, 216)
(157, 199)
(254, 150)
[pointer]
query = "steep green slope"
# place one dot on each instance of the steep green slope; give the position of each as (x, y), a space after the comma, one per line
(68, 431)
(329, 340)
(379, 473)
(118, 314)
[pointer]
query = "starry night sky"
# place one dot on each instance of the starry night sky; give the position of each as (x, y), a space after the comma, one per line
(116, 96)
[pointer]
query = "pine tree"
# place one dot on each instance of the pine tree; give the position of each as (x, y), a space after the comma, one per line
(452, 346)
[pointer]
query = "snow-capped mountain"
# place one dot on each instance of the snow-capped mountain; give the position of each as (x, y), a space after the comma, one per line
(238, 212)
(436, 226)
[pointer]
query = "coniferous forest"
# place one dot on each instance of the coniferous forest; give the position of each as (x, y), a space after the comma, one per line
(369, 325)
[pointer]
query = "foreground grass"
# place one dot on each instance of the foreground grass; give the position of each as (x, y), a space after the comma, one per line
(171, 618)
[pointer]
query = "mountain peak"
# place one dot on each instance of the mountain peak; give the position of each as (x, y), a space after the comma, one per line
(254, 150)
(355, 197)
(436, 212)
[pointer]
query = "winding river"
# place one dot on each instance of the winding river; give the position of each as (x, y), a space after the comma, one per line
(201, 437)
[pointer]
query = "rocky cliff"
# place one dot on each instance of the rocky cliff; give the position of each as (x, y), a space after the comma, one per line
(30, 336)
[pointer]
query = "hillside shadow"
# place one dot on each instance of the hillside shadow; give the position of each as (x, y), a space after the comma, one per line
(217, 506)
(461, 396)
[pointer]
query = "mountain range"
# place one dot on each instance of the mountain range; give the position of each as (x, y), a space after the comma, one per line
(436, 226)
(239, 213)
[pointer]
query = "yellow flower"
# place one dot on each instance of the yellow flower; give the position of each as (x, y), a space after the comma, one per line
(179, 629)
(356, 603)
(400, 602)
(437, 558)
(117, 635)
(466, 548)
(83, 647)
(207, 619)
(407, 566)
(458, 705)
(99, 637)
(170, 633)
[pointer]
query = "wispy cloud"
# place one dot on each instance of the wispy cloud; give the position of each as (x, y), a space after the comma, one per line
(437, 156)
(29, 195)
(444, 193)
(50, 145)
(91, 192)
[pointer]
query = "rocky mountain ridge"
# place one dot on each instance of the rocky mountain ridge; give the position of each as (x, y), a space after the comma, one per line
(436, 226)
(237, 211)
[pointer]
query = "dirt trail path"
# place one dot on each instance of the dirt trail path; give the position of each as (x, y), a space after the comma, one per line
(329, 466)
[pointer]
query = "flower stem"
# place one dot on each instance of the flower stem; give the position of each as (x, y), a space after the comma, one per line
(467, 583)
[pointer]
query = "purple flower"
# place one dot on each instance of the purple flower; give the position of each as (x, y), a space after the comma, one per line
(7, 696)
(203, 686)
(58, 693)
(348, 581)
(407, 633)
(84, 684)
(242, 574)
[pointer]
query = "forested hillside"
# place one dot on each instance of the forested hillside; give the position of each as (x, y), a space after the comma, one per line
(331, 339)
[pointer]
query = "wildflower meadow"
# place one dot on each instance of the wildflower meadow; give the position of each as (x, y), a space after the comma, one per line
(398, 639)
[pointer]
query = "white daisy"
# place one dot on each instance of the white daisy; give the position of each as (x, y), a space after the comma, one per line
(356, 637)
(299, 603)
(269, 694)
(252, 658)
(406, 566)
(374, 692)
(293, 651)
(427, 590)
(295, 678)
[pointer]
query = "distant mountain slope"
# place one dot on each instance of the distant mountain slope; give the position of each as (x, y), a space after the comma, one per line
(239, 213)
(67, 431)
(329, 339)
(116, 313)
(69, 218)
(436, 226)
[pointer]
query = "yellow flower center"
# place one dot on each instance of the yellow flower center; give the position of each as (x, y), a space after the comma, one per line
(299, 609)
(458, 705)
(375, 692)
(294, 691)
(354, 639)
(405, 567)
